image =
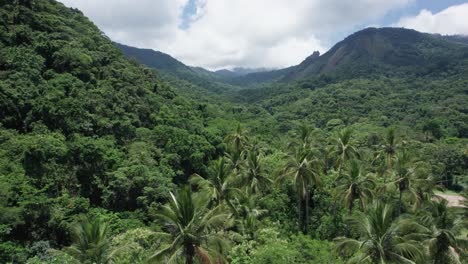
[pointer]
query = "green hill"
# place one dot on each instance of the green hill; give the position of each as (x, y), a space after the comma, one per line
(383, 76)
(170, 69)
(81, 124)
(103, 160)
(389, 51)
(373, 51)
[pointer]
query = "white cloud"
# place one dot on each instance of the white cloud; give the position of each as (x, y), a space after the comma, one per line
(229, 33)
(137, 22)
(450, 21)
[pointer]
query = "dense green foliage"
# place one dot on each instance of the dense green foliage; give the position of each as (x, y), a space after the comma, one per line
(82, 127)
(101, 161)
(169, 68)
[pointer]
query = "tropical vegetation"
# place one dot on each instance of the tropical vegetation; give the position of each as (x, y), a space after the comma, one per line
(105, 160)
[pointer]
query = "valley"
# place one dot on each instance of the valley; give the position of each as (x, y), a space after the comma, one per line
(115, 154)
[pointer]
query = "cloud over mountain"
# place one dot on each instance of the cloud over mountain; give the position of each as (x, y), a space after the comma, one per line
(226, 33)
(450, 21)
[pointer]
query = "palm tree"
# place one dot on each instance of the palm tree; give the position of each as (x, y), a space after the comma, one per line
(355, 185)
(388, 150)
(382, 238)
(304, 171)
(344, 148)
(91, 242)
(389, 147)
(253, 177)
(237, 142)
(444, 224)
(304, 134)
(192, 230)
(238, 139)
(221, 186)
(249, 213)
(413, 179)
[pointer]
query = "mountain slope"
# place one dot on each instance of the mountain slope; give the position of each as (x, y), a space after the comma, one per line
(238, 72)
(81, 126)
(171, 68)
(154, 59)
(368, 52)
(382, 77)
(376, 51)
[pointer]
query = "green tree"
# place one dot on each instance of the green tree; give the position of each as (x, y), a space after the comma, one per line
(412, 179)
(445, 225)
(353, 185)
(248, 213)
(237, 142)
(345, 148)
(382, 237)
(192, 229)
(388, 150)
(221, 186)
(254, 178)
(91, 242)
(432, 129)
(304, 171)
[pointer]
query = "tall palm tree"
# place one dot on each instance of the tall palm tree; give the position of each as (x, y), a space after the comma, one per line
(445, 224)
(344, 148)
(355, 185)
(389, 147)
(412, 179)
(304, 135)
(383, 238)
(304, 171)
(91, 242)
(237, 142)
(254, 178)
(238, 139)
(221, 186)
(388, 150)
(192, 230)
(249, 213)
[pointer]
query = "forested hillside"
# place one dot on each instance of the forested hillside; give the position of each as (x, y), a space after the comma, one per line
(173, 70)
(359, 155)
(83, 129)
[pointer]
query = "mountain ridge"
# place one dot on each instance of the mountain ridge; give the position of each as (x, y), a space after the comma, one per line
(366, 51)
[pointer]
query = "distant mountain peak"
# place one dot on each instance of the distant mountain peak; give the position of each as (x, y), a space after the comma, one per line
(374, 50)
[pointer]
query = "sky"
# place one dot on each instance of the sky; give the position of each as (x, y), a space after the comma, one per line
(217, 34)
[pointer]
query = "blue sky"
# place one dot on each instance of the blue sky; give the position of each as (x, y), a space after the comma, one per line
(414, 8)
(260, 33)
(189, 10)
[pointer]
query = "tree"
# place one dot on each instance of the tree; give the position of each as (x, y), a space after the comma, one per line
(304, 171)
(91, 242)
(192, 229)
(344, 148)
(432, 128)
(237, 142)
(220, 186)
(248, 213)
(253, 177)
(388, 150)
(444, 225)
(382, 237)
(412, 179)
(355, 185)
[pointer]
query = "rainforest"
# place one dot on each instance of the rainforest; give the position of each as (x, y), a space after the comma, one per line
(114, 154)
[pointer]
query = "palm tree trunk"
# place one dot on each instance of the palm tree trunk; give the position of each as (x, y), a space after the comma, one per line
(306, 220)
(388, 168)
(299, 213)
(399, 203)
(190, 253)
(351, 205)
